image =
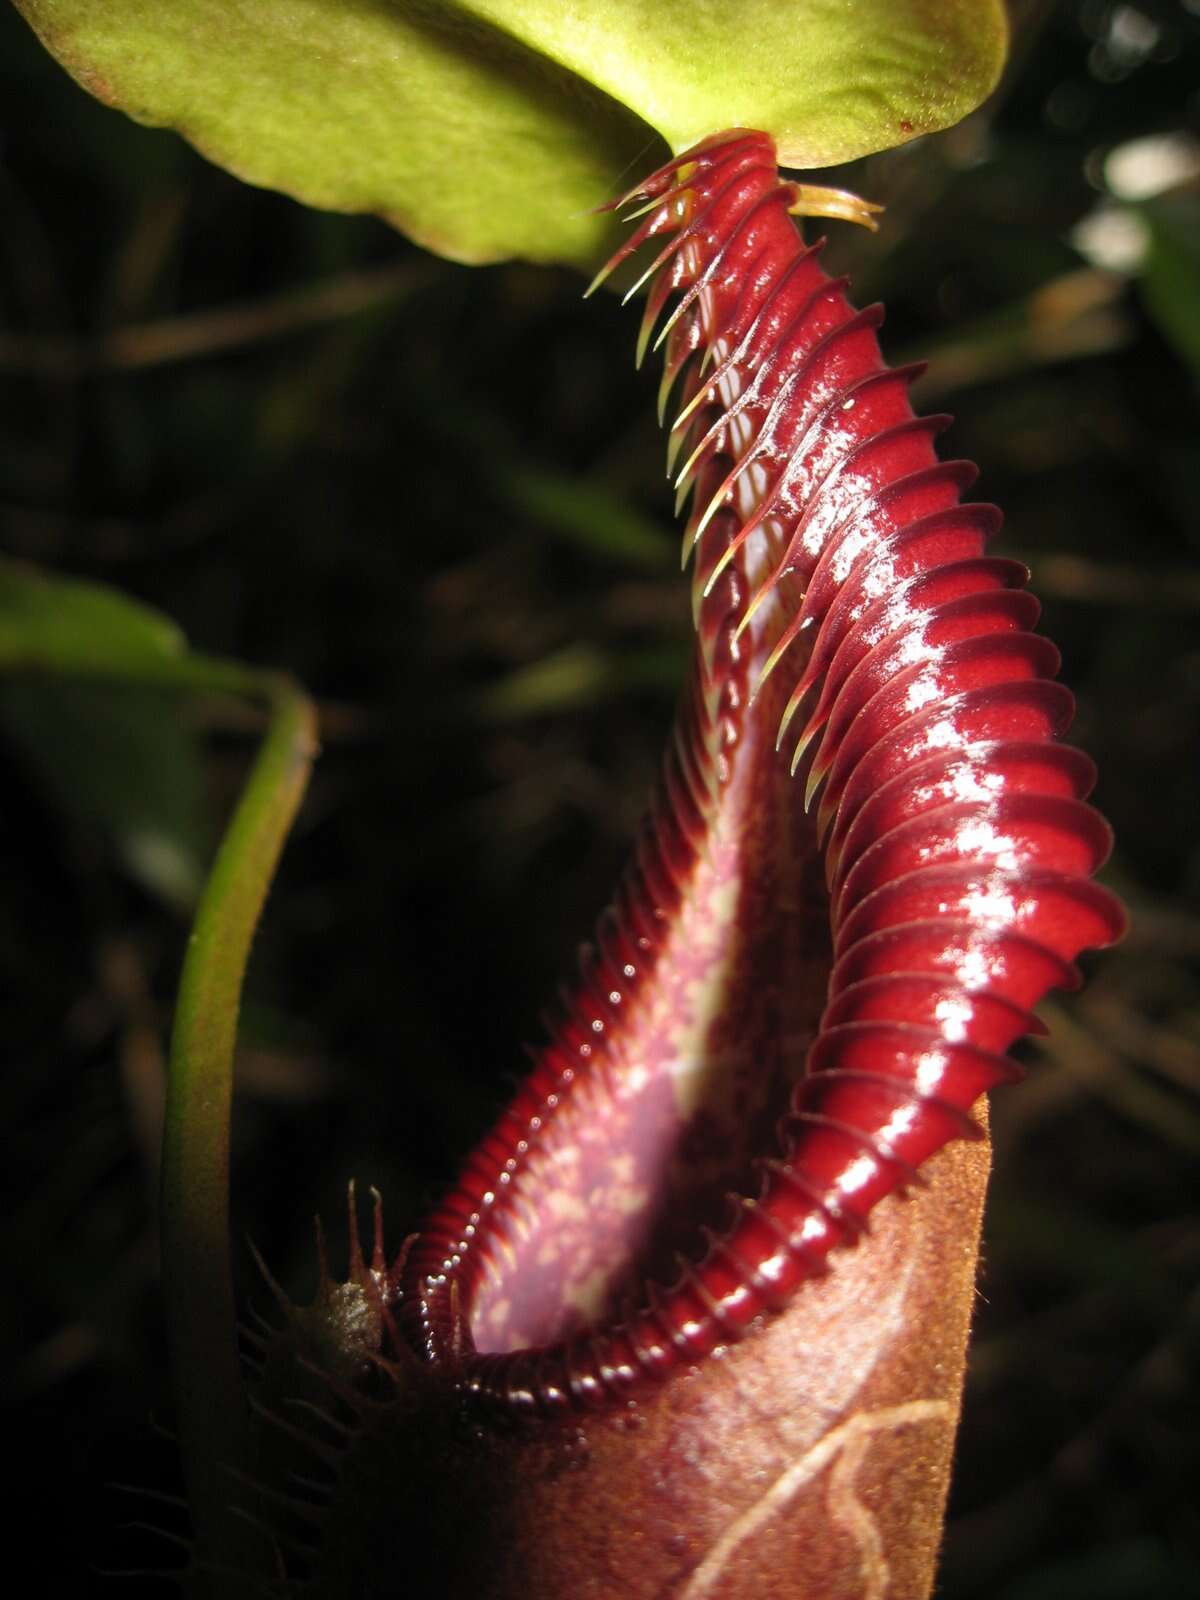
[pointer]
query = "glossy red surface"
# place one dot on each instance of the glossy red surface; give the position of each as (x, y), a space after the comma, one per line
(834, 570)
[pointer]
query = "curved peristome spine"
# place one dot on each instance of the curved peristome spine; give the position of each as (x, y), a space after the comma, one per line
(837, 573)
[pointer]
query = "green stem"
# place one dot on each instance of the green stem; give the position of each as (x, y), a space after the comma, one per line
(61, 628)
(198, 1287)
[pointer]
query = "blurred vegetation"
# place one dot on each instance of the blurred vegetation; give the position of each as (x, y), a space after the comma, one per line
(435, 495)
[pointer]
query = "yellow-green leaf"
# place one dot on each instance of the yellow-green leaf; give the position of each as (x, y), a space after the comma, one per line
(830, 80)
(62, 624)
(492, 128)
(472, 144)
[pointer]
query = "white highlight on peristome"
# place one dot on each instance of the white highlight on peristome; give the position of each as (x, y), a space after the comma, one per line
(952, 1015)
(858, 1174)
(975, 970)
(970, 783)
(979, 836)
(993, 905)
(931, 1070)
(941, 735)
(921, 693)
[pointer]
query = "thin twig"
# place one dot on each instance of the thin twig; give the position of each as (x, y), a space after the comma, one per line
(206, 333)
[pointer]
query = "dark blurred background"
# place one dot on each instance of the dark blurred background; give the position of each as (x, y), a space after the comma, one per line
(435, 494)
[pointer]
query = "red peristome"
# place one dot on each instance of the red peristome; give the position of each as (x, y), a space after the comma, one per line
(835, 567)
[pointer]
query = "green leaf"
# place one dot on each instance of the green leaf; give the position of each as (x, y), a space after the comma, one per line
(491, 128)
(472, 144)
(65, 627)
(1170, 279)
(60, 624)
(829, 80)
(591, 517)
(577, 675)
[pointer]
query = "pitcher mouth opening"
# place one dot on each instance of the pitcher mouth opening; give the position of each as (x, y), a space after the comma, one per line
(640, 1167)
(640, 1131)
